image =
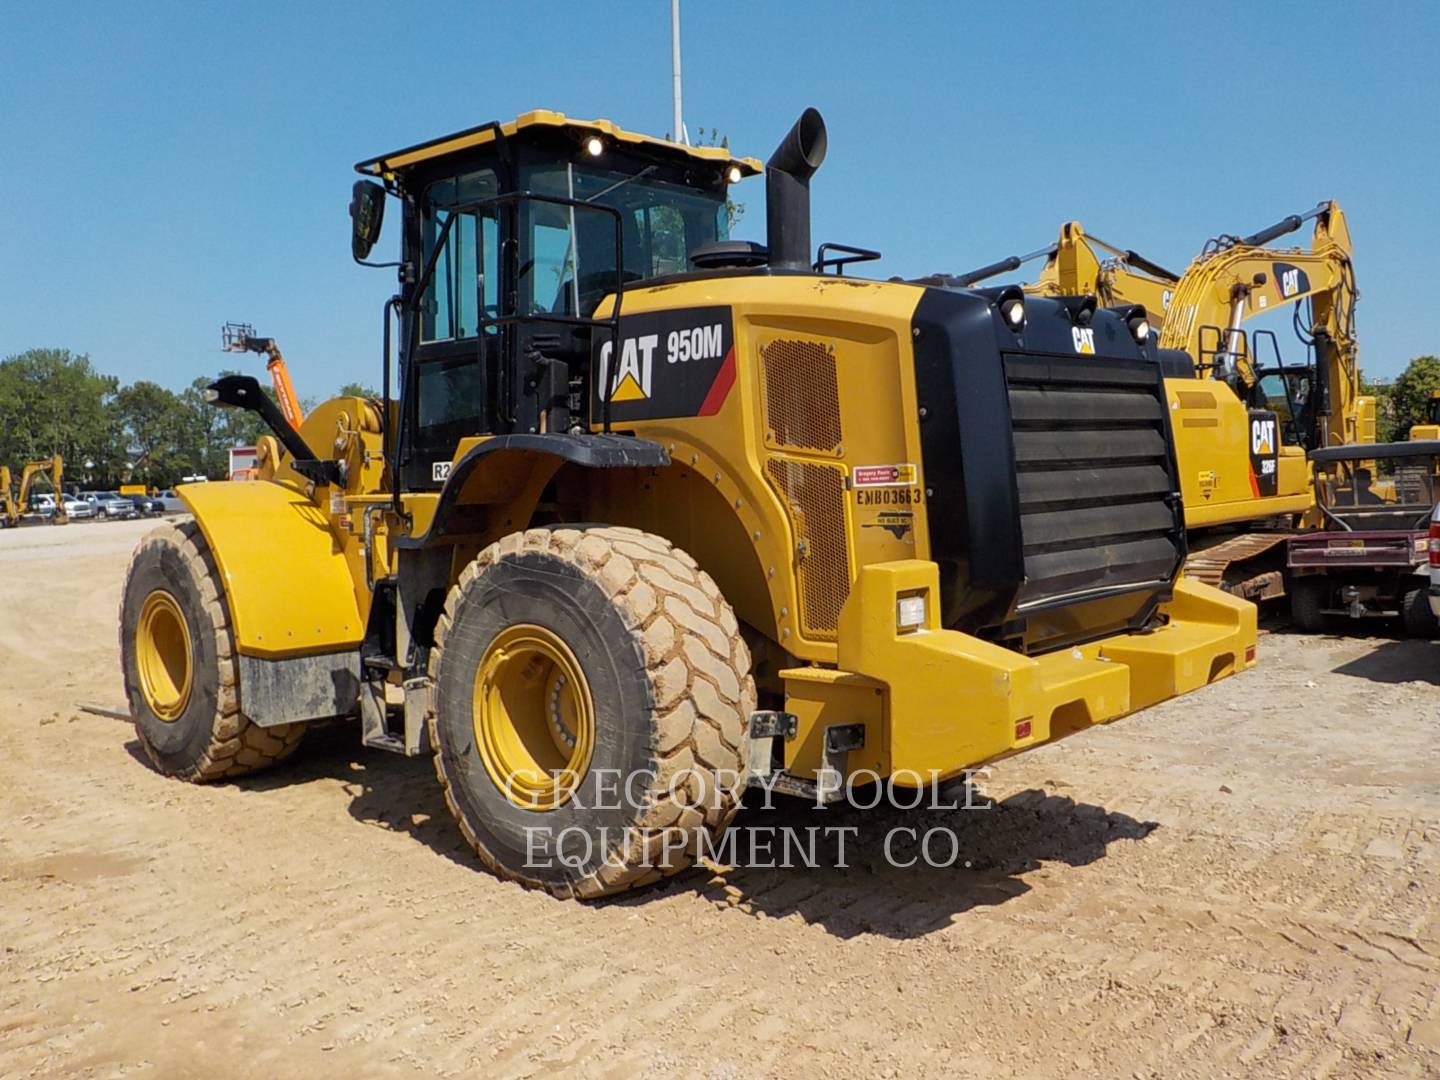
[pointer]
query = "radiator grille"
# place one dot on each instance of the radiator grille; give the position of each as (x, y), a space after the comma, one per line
(802, 395)
(815, 500)
(1093, 472)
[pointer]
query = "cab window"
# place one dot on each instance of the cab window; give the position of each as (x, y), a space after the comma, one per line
(450, 307)
(573, 248)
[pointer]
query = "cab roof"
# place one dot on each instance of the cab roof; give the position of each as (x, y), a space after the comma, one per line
(545, 118)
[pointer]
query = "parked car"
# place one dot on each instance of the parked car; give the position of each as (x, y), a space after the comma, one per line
(78, 509)
(147, 505)
(110, 504)
(75, 509)
(170, 502)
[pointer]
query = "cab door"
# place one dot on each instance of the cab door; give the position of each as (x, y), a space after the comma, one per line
(448, 392)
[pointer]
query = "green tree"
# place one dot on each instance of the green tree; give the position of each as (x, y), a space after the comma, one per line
(54, 401)
(152, 424)
(1410, 393)
(1383, 393)
(355, 389)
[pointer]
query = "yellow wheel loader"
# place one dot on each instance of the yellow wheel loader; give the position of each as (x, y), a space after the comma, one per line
(657, 515)
(1242, 426)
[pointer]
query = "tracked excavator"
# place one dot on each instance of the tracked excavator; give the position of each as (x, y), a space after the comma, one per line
(1244, 417)
(12, 505)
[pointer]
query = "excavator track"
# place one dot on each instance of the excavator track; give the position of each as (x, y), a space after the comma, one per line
(1249, 565)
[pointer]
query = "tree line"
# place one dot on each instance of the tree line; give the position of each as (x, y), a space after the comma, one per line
(55, 401)
(1401, 404)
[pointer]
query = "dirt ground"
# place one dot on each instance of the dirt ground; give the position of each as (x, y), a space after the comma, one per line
(1242, 882)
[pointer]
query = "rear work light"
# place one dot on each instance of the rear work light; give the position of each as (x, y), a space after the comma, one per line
(1435, 543)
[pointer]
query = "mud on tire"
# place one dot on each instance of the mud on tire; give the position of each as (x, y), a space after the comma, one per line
(669, 679)
(206, 737)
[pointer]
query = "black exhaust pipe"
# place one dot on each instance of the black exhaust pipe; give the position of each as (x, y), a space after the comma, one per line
(787, 192)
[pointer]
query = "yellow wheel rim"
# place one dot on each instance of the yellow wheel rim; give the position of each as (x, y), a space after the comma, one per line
(534, 720)
(162, 652)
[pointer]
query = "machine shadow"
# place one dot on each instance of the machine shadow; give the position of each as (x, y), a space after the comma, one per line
(885, 885)
(386, 791)
(877, 882)
(1401, 661)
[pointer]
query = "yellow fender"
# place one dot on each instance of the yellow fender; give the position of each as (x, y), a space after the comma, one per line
(288, 587)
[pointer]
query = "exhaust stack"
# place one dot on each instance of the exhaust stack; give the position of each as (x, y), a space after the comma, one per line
(787, 192)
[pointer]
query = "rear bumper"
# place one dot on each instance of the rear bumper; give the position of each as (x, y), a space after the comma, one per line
(934, 702)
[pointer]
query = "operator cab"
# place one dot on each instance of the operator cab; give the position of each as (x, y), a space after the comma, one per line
(514, 237)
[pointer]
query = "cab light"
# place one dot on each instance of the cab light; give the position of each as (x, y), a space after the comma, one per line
(1014, 312)
(593, 146)
(734, 174)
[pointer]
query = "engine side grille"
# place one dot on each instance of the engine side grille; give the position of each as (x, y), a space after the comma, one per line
(814, 497)
(1095, 477)
(802, 395)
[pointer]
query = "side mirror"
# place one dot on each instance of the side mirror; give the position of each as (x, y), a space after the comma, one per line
(367, 214)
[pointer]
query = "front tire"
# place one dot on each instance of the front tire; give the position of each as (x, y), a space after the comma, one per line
(591, 695)
(178, 660)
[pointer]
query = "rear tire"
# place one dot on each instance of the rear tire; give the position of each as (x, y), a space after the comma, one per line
(1307, 597)
(643, 688)
(178, 660)
(1419, 620)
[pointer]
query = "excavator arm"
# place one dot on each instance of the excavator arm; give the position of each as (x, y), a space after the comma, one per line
(1238, 278)
(15, 507)
(1079, 264)
(9, 512)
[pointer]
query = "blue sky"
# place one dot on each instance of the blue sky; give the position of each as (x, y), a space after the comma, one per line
(174, 165)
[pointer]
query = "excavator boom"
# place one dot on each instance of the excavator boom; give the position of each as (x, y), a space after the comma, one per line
(1241, 430)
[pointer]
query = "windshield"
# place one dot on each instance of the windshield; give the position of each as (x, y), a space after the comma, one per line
(570, 262)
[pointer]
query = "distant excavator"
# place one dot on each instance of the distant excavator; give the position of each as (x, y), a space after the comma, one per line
(13, 504)
(241, 337)
(1242, 428)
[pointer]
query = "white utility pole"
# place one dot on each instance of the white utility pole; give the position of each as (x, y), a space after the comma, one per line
(679, 129)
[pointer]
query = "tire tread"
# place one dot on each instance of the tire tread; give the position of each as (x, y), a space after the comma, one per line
(698, 664)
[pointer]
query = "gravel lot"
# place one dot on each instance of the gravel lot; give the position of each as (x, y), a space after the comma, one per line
(1241, 882)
